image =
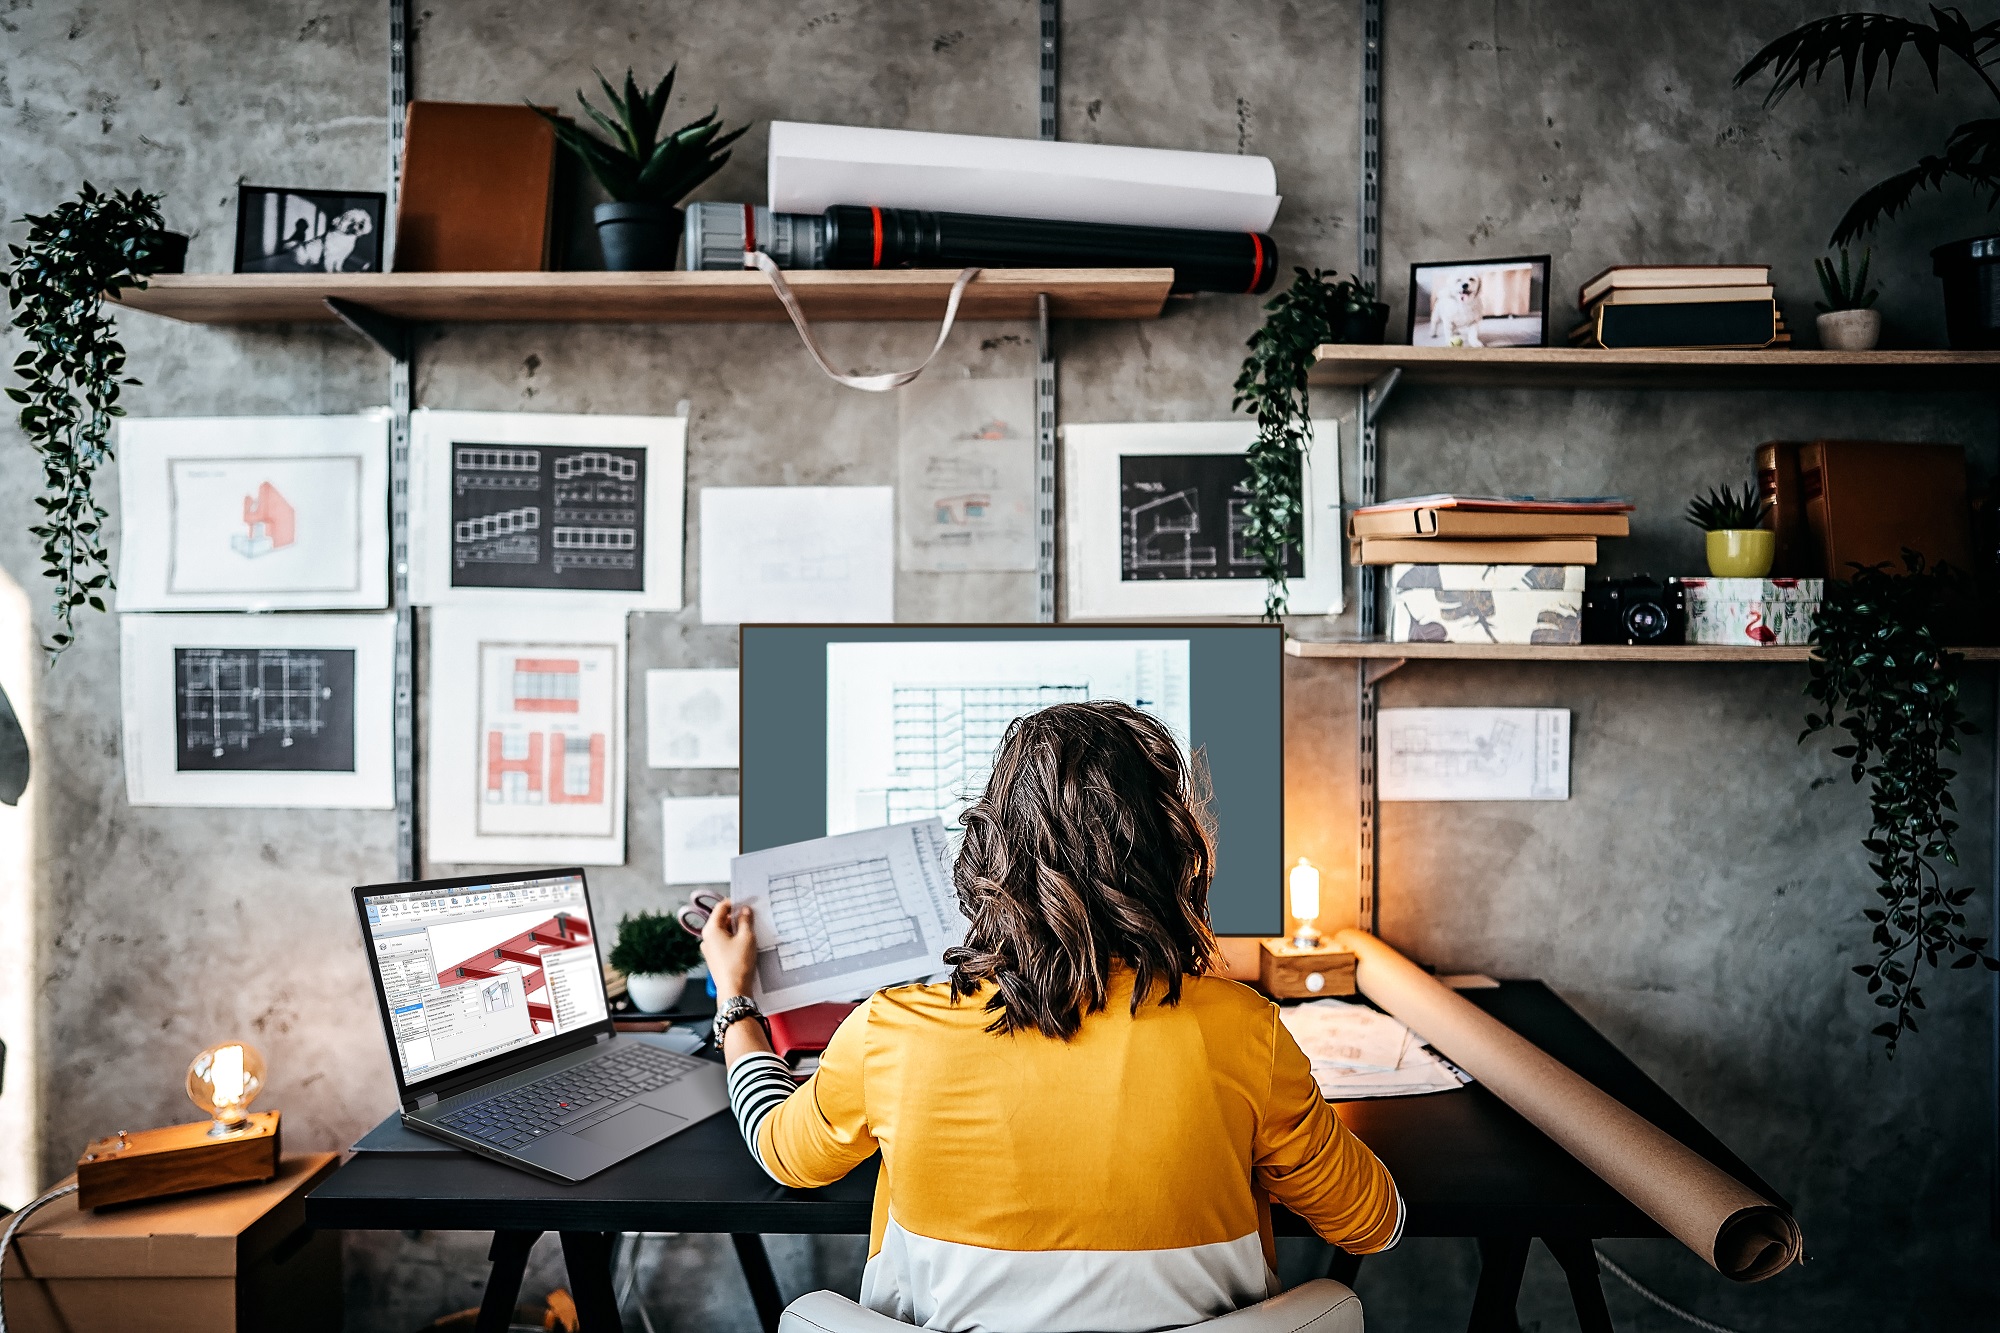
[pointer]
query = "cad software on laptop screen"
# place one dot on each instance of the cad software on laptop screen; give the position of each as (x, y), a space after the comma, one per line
(482, 970)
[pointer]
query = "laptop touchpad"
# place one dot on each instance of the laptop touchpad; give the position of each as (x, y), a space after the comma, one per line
(632, 1128)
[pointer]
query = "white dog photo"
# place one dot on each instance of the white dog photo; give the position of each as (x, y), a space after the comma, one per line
(1480, 303)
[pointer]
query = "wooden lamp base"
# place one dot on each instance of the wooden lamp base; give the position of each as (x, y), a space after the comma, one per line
(176, 1159)
(1287, 972)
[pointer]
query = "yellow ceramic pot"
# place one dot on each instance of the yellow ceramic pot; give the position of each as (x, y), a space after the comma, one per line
(1741, 553)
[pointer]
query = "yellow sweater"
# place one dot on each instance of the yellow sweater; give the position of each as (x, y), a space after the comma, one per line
(1119, 1180)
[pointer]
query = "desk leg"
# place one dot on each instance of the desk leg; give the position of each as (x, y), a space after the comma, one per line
(1580, 1266)
(587, 1256)
(763, 1282)
(1341, 1266)
(503, 1285)
(1502, 1260)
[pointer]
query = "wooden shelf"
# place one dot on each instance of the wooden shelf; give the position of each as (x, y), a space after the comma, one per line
(1656, 368)
(1352, 650)
(664, 298)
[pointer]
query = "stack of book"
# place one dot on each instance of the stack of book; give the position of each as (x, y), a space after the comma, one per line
(1485, 530)
(1680, 305)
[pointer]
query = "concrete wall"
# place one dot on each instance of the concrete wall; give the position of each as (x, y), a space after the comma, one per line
(1698, 898)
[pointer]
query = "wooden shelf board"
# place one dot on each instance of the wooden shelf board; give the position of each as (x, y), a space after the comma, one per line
(1656, 368)
(1352, 650)
(668, 298)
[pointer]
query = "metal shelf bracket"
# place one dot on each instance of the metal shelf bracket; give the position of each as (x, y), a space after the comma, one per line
(1376, 395)
(388, 332)
(1375, 669)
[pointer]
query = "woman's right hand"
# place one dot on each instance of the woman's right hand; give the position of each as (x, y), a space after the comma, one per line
(729, 946)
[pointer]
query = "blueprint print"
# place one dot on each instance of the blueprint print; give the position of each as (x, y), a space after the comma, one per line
(547, 739)
(1473, 754)
(1182, 516)
(548, 516)
(698, 838)
(965, 460)
(287, 710)
(797, 555)
(840, 916)
(691, 718)
(912, 727)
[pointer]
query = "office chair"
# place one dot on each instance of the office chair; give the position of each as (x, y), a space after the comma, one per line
(1319, 1306)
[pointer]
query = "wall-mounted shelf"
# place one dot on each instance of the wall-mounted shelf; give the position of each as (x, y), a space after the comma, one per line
(640, 298)
(1376, 650)
(1655, 368)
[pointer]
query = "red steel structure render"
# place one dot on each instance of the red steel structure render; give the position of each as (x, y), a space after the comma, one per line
(561, 931)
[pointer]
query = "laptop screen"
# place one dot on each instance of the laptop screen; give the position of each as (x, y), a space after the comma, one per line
(471, 971)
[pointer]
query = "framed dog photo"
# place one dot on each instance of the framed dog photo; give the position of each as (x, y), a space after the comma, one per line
(1480, 303)
(282, 230)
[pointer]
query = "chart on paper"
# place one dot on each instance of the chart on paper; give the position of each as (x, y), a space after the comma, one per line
(1473, 754)
(912, 727)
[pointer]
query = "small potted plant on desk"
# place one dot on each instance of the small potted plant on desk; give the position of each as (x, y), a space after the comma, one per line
(1737, 547)
(654, 952)
(645, 175)
(1846, 322)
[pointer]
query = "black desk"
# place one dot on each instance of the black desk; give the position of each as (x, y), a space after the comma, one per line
(1466, 1164)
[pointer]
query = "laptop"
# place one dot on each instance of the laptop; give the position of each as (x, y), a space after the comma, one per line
(499, 1027)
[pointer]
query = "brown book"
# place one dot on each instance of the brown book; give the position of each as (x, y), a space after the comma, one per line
(1681, 295)
(1798, 555)
(1475, 523)
(1867, 500)
(477, 193)
(1436, 551)
(1672, 275)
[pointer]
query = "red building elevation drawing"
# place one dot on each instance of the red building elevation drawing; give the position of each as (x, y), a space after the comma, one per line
(522, 956)
(269, 522)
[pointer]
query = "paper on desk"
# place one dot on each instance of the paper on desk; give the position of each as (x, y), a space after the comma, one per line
(1357, 1052)
(842, 916)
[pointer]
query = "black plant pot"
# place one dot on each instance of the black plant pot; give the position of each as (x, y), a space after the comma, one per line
(169, 252)
(1370, 324)
(1970, 271)
(638, 238)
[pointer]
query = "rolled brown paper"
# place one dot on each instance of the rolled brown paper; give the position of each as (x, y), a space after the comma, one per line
(1744, 1235)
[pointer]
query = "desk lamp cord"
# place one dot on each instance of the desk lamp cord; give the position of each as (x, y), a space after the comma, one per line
(1635, 1285)
(14, 1225)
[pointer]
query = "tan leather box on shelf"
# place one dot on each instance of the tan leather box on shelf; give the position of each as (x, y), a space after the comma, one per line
(477, 193)
(238, 1258)
(1865, 500)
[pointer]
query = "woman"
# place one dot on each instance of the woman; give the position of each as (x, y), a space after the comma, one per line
(1082, 1127)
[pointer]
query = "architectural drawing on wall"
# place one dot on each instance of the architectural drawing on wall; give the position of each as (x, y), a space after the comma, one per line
(912, 727)
(526, 764)
(509, 505)
(1156, 517)
(520, 959)
(264, 709)
(966, 474)
(691, 718)
(797, 554)
(253, 513)
(1473, 754)
(840, 916)
(273, 711)
(698, 838)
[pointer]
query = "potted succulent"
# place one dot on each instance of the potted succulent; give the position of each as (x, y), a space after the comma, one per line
(654, 951)
(645, 175)
(1737, 547)
(1846, 321)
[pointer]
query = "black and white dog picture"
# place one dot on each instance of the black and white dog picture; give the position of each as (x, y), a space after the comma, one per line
(1480, 303)
(308, 231)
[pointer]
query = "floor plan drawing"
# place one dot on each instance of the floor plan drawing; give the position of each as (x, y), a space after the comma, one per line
(912, 727)
(264, 709)
(1185, 516)
(1473, 754)
(547, 517)
(965, 474)
(830, 919)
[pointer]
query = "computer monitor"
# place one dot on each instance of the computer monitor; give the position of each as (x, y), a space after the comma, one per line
(856, 726)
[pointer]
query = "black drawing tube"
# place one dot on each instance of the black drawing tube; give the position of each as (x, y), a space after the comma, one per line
(862, 236)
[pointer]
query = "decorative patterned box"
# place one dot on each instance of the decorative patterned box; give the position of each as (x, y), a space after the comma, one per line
(1486, 603)
(1756, 612)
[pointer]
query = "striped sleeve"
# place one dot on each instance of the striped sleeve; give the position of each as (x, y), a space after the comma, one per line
(758, 1084)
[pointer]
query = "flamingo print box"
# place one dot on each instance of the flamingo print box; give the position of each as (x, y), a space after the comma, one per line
(1760, 613)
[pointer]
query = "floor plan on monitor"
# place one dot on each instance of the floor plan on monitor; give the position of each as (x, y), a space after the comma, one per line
(912, 727)
(547, 738)
(264, 710)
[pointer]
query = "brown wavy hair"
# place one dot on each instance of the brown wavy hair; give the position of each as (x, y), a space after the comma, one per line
(1089, 848)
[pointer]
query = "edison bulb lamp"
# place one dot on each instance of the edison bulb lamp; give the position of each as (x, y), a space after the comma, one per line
(223, 1081)
(1304, 886)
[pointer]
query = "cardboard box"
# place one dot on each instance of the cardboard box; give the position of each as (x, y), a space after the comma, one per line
(1758, 613)
(238, 1258)
(1486, 603)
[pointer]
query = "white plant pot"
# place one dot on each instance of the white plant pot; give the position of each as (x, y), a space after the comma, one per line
(1850, 330)
(654, 992)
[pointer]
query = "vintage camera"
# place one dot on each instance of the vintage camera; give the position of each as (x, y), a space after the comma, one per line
(1638, 610)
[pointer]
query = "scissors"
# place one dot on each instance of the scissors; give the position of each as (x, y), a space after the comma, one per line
(694, 914)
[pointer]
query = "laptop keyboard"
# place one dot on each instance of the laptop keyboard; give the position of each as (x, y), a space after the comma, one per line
(574, 1099)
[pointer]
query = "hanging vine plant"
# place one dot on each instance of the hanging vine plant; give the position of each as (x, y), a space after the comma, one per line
(1884, 678)
(1318, 307)
(85, 249)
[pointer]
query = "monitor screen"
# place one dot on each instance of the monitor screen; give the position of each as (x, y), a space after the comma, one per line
(471, 971)
(848, 727)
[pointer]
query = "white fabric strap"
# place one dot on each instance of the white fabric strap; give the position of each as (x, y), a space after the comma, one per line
(882, 383)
